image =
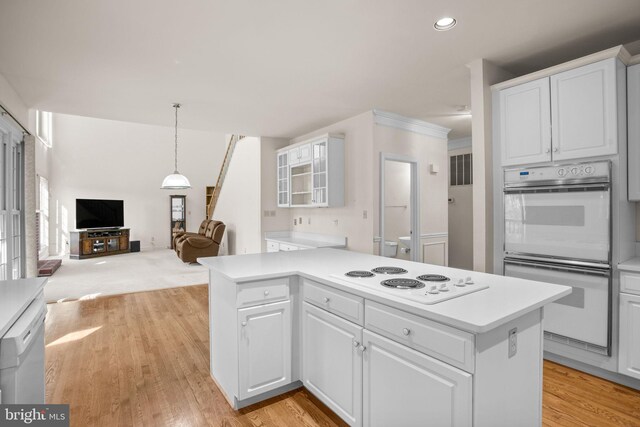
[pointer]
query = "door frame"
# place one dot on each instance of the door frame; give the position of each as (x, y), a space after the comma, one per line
(414, 201)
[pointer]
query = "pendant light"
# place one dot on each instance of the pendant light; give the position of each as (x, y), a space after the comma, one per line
(176, 181)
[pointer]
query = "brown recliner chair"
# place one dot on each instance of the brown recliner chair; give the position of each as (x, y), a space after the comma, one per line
(184, 234)
(191, 248)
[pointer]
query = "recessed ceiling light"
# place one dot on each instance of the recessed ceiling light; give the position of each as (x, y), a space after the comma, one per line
(444, 24)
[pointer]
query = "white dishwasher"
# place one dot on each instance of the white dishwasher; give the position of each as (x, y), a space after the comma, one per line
(22, 357)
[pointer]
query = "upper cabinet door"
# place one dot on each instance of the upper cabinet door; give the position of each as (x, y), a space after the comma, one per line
(304, 152)
(633, 100)
(283, 179)
(525, 123)
(584, 111)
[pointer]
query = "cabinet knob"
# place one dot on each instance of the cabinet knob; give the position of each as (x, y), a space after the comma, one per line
(555, 149)
(266, 293)
(244, 324)
(327, 299)
(362, 348)
(406, 331)
(356, 344)
(548, 150)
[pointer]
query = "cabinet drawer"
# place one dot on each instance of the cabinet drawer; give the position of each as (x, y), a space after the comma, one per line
(273, 246)
(345, 305)
(264, 292)
(440, 341)
(284, 247)
(630, 282)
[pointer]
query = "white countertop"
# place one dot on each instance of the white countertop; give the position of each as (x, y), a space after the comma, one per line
(304, 243)
(632, 264)
(15, 297)
(506, 299)
(306, 240)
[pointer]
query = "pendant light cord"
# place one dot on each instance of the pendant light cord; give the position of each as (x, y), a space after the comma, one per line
(176, 106)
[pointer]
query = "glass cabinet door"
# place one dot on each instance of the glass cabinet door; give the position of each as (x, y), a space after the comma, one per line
(319, 181)
(283, 179)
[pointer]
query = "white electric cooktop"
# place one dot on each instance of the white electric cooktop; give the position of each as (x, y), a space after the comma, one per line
(425, 288)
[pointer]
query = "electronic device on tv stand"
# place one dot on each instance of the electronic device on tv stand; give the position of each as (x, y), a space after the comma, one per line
(99, 214)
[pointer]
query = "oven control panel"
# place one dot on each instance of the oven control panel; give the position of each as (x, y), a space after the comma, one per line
(559, 172)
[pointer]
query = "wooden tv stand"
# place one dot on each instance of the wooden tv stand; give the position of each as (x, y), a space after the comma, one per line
(94, 243)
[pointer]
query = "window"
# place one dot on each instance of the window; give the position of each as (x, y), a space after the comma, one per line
(44, 214)
(11, 202)
(460, 170)
(44, 127)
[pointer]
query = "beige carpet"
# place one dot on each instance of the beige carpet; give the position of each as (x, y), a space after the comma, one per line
(119, 274)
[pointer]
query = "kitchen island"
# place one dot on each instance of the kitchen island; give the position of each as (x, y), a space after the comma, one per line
(461, 348)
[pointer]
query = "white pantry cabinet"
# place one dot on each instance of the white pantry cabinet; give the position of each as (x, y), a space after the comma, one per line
(403, 387)
(633, 105)
(584, 111)
(569, 115)
(314, 173)
(332, 362)
(264, 348)
(629, 350)
(525, 123)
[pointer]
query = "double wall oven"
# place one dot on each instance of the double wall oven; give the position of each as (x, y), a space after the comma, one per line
(557, 229)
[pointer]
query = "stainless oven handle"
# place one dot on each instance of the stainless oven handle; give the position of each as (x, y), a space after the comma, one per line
(550, 188)
(555, 182)
(569, 268)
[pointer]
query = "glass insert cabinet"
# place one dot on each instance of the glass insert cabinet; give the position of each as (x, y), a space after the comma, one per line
(178, 206)
(311, 173)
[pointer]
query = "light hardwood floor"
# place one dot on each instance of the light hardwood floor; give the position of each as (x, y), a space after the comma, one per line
(142, 359)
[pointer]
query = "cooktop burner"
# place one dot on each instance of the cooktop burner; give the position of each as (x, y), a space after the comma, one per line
(402, 283)
(359, 273)
(433, 278)
(389, 270)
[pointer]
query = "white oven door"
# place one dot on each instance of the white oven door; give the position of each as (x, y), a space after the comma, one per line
(560, 222)
(582, 315)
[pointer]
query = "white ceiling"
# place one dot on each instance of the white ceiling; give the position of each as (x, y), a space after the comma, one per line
(285, 67)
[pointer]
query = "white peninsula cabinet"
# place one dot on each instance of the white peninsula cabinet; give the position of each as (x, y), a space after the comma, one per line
(311, 173)
(569, 115)
(633, 106)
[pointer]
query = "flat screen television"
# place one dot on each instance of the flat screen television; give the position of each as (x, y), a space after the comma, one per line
(94, 213)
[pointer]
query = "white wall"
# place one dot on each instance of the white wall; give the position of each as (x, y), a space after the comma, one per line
(10, 100)
(239, 205)
(461, 219)
(106, 159)
(273, 217)
(359, 184)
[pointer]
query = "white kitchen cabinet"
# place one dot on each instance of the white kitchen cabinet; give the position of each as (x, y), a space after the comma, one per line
(584, 111)
(403, 387)
(629, 357)
(315, 173)
(283, 178)
(633, 105)
(332, 362)
(264, 348)
(525, 123)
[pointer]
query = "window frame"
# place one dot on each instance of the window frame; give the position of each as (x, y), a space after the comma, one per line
(46, 139)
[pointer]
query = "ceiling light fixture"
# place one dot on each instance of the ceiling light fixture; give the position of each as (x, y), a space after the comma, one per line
(176, 181)
(444, 24)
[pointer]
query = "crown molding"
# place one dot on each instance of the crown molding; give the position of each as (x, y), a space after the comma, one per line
(634, 60)
(385, 118)
(619, 52)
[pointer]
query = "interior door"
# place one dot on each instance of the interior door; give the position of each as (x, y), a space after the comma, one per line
(332, 364)
(403, 387)
(264, 348)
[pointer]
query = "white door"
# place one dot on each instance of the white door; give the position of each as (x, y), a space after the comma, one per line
(403, 387)
(633, 99)
(584, 111)
(525, 123)
(264, 348)
(332, 363)
(629, 359)
(283, 179)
